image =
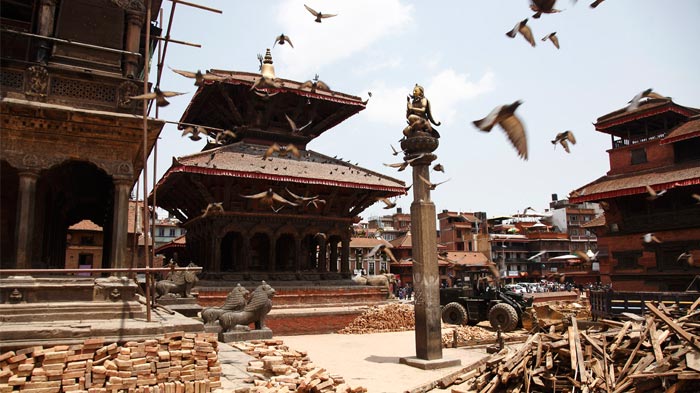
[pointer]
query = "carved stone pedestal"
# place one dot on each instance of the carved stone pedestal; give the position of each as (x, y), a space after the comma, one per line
(185, 306)
(245, 335)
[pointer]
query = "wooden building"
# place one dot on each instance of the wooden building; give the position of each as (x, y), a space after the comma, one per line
(264, 237)
(655, 146)
(71, 139)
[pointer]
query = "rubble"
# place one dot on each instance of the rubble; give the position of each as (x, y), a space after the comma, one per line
(466, 335)
(393, 317)
(654, 353)
(279, 369)
(176, 362)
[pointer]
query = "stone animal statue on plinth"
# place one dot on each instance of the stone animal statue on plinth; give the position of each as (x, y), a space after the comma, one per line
(255, 310)
(419, 115)
(236, 300)
(178, 283)
(380, 280)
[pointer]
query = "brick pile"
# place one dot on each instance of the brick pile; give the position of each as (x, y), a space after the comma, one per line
(178, 362)
(280, 369)
(393, 317)
(467, 335)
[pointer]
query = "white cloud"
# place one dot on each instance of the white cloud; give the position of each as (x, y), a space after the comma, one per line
(388, 104)
(359, 24)
(377, 65)
(448, 88)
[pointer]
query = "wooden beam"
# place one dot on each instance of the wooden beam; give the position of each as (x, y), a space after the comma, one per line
(691, 339)
(229, 102)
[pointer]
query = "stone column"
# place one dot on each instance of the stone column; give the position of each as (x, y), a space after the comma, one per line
(322, 259)
(120, 220)
(45, 25)
(25, 225)
(134, 24)
(345, 256)
(333, 262)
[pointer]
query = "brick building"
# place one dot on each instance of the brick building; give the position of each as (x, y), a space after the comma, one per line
(656, 146)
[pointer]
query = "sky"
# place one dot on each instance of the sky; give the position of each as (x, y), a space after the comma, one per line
(458, 51)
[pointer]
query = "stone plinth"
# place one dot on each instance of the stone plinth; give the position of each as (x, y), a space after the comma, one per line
(429, 364)
(185, 306)
(245, 335)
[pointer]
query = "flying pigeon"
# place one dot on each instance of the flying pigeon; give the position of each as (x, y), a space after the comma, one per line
(543, 7)
(195, 131)
(281, 39)
(282, 151)
(650, 237)
(298, 199)
(687, 257)
(564, 138)
(314, 84)
(293, 125)
(380, 248)
(439, 168)
(596, 3)
(224, 134)
(653, 195)
(318, 15)
(504, 116)
(389, 204)
(269, 197)
(432, 186)
(552, 37)
(404, 165)
(158, 95)
(522, 28)
(634, 102)
(198, 76)
(696, 197)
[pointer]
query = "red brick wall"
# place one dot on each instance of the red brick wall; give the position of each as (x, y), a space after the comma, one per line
(320, 323)
(303, 297)
(657, 156)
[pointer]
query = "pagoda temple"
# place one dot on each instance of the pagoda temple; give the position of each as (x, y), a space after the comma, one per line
(651, 220)
(256, 203)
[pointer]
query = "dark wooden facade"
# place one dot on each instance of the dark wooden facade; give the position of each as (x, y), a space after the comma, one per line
(656, 145)
(71, 139)
(252, 240)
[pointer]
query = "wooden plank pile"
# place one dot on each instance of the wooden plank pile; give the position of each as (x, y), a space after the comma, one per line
(659, 352)
(280, 369)
(178, 362)
(393, 317)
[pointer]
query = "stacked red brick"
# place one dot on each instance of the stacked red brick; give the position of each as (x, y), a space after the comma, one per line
(280, 369)
(178, 362)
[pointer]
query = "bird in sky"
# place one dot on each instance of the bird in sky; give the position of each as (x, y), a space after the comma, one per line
(314, 84)
(432, 186)
(318, 15)
(504, 116)
(635, 101)
(298, 199)
(198, 77)
(552, 37)
(395, 152)
(382, 248)
(157, 95)
(439, 168)
(269, 197)
(282, 151)
(404, 165)
(281, 39)
(650, 237)
(223, 135)
(653, 195)
(293, 125)
(563, 138)
(526, 209)
(522, 28)
(195, 132)
(687, 257)
(543, 7)
(596, 3)
(388, 204)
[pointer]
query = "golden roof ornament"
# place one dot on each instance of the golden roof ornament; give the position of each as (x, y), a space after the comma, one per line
(268, 70)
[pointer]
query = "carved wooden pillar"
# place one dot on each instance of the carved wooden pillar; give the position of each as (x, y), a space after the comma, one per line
(299, 253)
(215, 252)
(245, 252)
(345, 255)
(272, 255)
(25, 224)
(322, 257)
(134, 24)
(45, 25)
(118, 252)
(333, 262)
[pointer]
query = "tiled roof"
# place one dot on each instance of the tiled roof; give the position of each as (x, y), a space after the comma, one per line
(368, 242)
(245, 160)
(687, 130)
(466, 258)
(409, 262)
(404, 241)
(631, 184)
(596, 222)
(85, 225)
(178, 242)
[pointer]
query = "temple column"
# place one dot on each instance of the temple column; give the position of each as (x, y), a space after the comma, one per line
(345, 256)
(271, 263)
(333, 262)
(299, 253)
(134, 24)
(45, 25)
(322, 257)
(25, 224)
(245, 252)
(215, 252)
(120, 220)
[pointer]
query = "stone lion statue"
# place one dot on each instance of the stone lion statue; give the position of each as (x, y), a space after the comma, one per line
(236, 300)
(255, 310)
(177, 283)
(380, 280)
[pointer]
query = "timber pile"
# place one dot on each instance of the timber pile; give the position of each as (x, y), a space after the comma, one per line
(467, 335)
(280, 369)
(178, 362)
(555, 312)
(655, 353)
(393, 317)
